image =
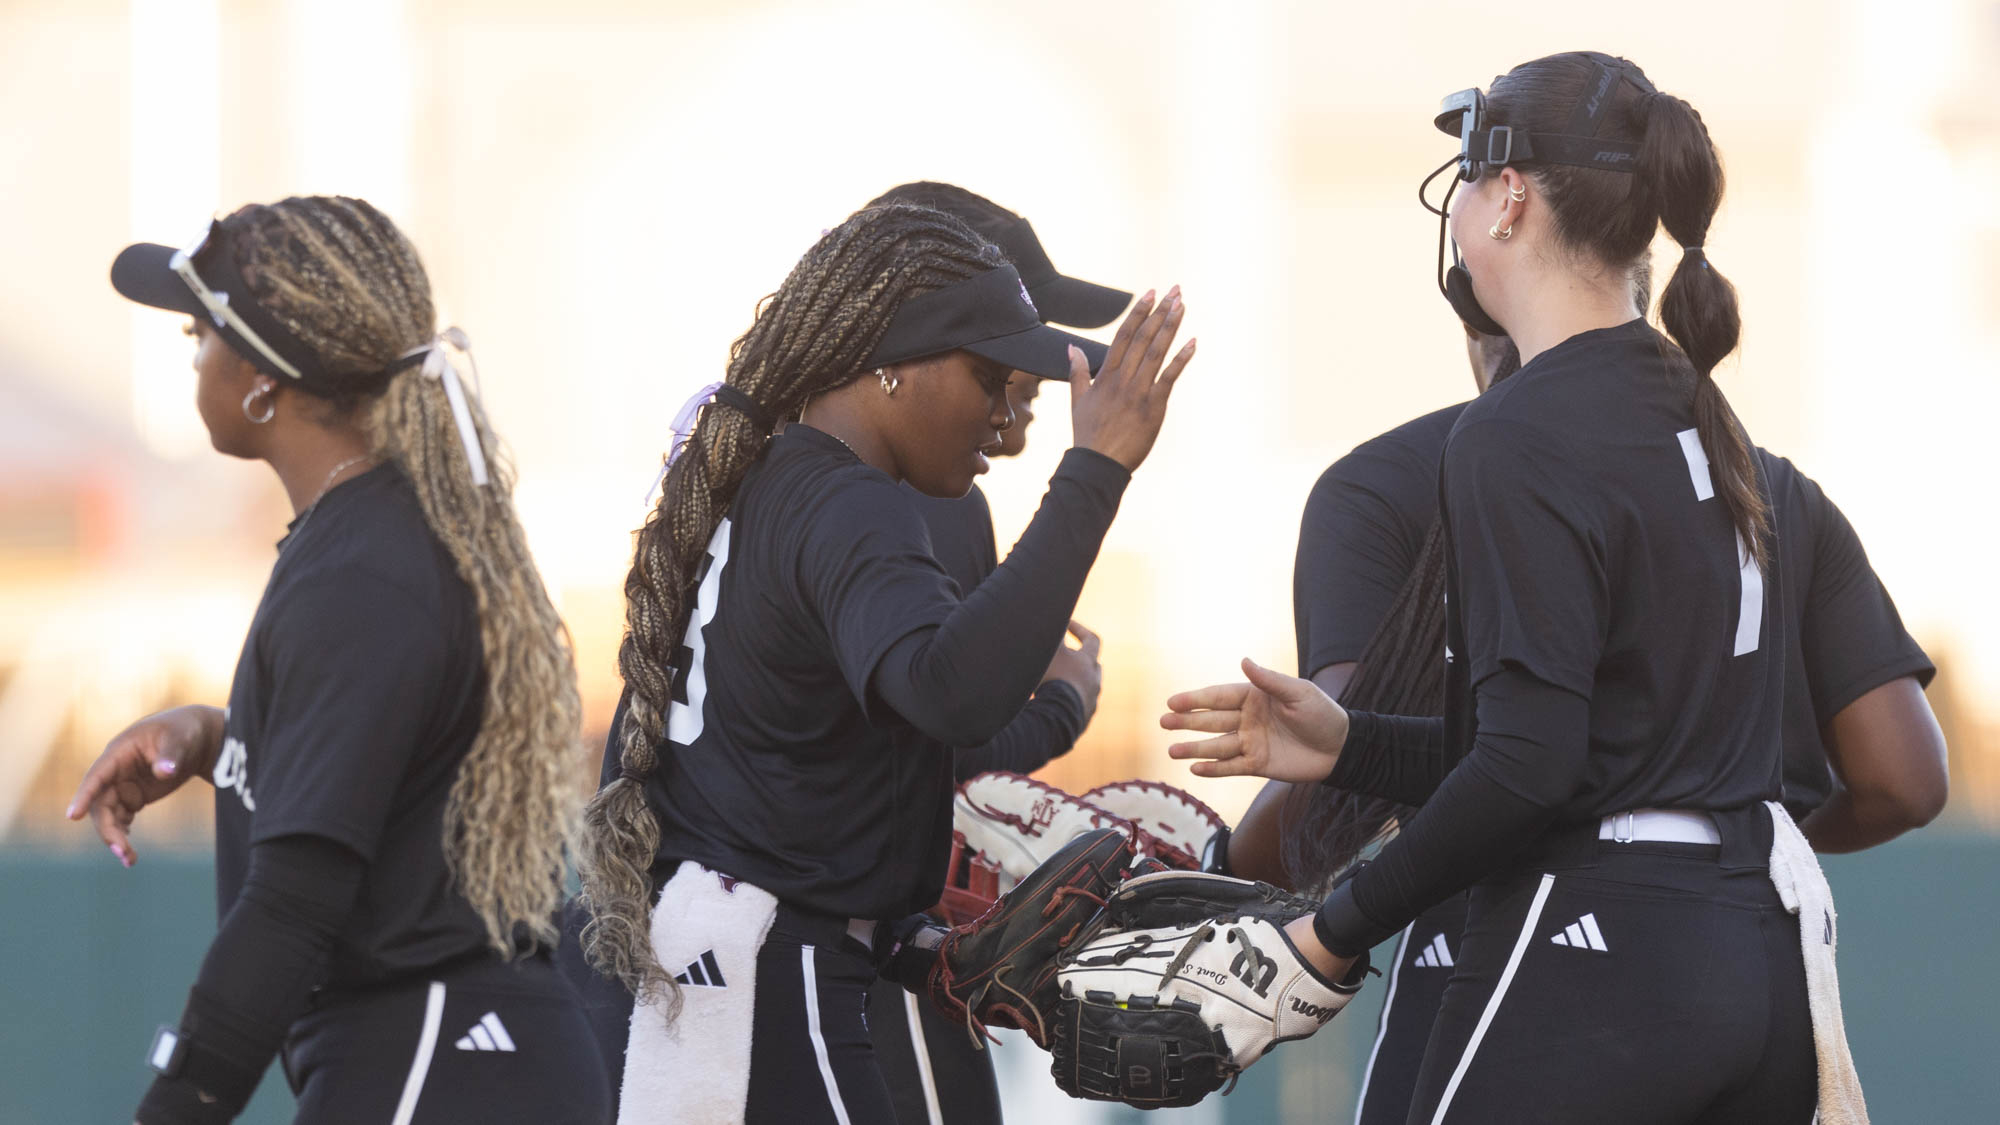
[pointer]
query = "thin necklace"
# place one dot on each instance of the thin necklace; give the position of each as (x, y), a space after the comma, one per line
(836, 437)
(324, 487)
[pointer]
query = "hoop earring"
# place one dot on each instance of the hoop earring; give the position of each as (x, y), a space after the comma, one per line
(1501, 235)
(270, 407)
(1517, 193)
(889, 382)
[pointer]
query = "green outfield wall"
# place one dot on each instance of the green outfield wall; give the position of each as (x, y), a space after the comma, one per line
(95, 957)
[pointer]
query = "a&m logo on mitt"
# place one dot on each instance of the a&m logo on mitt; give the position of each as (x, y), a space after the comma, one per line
(1019, 822)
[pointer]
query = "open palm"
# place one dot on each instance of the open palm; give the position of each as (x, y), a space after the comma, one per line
(1274, 726)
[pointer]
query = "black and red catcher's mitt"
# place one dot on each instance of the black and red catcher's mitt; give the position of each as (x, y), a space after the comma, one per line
(1001, 968)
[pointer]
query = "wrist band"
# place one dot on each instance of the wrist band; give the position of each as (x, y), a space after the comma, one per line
(215, 1078)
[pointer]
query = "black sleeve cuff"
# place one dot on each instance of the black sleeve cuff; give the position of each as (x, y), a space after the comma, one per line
(1065, 706)
(1344, 928)
(175, 1101)
(205, 1086)
(1396, 757)
(1094, 469)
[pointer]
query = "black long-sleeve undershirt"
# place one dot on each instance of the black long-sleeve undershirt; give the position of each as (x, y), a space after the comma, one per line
(268, 954)
(1045, 730)
(1399, 757)
(1527, 760)
(962, 682)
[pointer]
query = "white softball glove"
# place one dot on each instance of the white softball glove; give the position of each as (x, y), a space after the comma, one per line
(1164, 1016)
(1019, 822)
(1171, 818)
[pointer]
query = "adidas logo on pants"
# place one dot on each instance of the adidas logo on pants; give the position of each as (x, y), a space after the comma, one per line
(487, 1035)
(1435, 956)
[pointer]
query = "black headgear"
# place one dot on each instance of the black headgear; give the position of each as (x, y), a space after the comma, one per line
(1483, 145)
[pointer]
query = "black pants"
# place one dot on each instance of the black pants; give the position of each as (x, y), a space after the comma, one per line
(484, 1040)
(934, 1073)
(1638, 983)
(1425, 961)
(811, 1059)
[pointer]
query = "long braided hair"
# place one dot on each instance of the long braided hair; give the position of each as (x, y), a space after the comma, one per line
(809, 337)
(1323, 830)
(348, 284)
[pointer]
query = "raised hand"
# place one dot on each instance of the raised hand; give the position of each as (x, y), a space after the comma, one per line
(145, 762)
(1275, 726)
(1120, 412)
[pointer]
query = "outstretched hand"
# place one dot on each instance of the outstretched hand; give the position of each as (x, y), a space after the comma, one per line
(1119, 413)
(1275, 726)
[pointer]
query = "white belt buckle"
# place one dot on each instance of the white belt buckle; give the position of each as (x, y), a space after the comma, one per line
(1621, 827)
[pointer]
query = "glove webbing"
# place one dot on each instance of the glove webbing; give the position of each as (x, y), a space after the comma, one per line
(975, 1027)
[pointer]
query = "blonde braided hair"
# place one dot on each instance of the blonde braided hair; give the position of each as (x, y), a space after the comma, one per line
(343, 280)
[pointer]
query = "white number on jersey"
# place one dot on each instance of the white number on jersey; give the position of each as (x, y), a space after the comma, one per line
(1750, 620)
(684, 720)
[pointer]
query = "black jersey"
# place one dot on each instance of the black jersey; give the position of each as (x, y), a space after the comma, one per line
(1844, 635)
(1610, 645)
(1587, 549)
(359, 691)
(783, 764)
(1363, 528)
(961, 531)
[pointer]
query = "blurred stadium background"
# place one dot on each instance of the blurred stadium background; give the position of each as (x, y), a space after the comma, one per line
(603, 188)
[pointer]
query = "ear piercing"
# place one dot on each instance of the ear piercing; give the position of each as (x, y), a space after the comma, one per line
(270, 406)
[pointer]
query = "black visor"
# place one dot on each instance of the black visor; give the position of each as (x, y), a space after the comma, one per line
(1062, 300)
(201, 280)
(991, 316)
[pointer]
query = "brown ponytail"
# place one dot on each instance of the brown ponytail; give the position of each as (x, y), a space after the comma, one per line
(1610, 217)
(1698, 308)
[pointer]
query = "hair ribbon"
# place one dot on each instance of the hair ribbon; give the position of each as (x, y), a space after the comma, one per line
(683, 429)
(438, 365)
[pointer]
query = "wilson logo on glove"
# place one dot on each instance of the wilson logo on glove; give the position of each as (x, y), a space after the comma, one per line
(1313, 1011)
(1251, 966)
(1133, 1030)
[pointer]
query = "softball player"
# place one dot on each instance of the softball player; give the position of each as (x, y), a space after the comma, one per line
(961, 527)
(1615, 659)
(1854, 691)
(935, 1074)
(390, 796)
(790, 628)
